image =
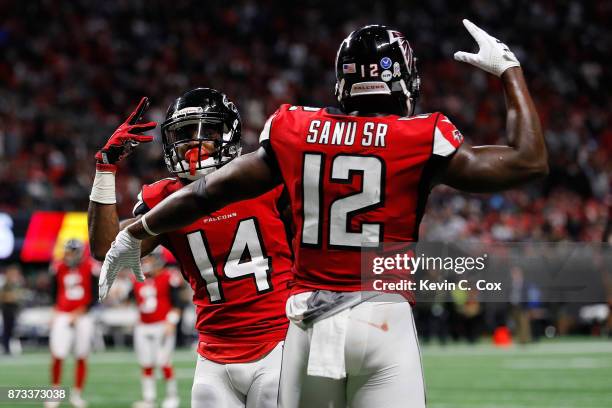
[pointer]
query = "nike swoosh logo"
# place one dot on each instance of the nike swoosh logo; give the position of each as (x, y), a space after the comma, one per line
(381, 326)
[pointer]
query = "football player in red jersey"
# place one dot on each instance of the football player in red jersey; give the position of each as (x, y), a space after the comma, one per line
(157, 299)
(357, 176)
(236, 259)
(75, 290)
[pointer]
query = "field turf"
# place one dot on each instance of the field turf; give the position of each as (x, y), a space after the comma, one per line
(568, 373)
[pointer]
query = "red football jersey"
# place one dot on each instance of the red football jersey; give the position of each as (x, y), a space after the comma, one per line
(153, 296)
(352, 180)
(238, 263)
(74, 285)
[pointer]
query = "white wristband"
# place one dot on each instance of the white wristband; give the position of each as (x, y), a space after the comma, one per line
(103, 189)
(173, 317)
(143, 221)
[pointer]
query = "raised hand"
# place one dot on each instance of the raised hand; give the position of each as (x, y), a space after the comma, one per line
(127, 136)
(493, 56)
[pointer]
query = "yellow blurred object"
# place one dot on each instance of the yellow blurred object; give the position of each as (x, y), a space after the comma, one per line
(74, 226)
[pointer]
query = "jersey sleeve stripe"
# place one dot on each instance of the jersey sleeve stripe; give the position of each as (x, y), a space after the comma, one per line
(441, 146)
(265, 133)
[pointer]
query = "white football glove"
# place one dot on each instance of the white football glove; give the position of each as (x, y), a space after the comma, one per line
(123, 253)
(493, 56)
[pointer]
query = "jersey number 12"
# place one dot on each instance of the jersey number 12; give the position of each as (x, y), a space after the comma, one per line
(343, 168)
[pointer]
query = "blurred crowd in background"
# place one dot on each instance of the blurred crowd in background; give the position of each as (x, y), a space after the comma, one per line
(67, 84)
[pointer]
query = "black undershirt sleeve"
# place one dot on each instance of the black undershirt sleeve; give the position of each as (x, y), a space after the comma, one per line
(141, 209)
(94, 292)
(175, 298)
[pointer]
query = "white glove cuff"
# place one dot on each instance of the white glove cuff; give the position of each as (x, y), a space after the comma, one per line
(500, 66)
(103, 189)
(127, 240)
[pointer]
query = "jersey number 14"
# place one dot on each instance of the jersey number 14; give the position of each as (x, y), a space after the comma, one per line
(247, 240)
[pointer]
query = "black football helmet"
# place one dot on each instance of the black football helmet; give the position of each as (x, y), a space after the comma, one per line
(376, 72)
(201, 133)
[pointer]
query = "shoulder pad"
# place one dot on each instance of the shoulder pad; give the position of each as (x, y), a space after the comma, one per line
(152, 194)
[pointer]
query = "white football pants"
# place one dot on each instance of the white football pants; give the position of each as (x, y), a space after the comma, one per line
(153, 347)
(238, 385)
(64, 336)
(382, 359)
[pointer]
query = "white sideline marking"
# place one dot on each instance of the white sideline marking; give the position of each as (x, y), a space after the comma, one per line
(560, 364)
(578, 347)
(99, 358)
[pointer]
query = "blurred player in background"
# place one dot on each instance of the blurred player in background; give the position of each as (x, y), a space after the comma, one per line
(358, 176)
(75, 290)
(237, 259)
(158, 302)
(11, 296)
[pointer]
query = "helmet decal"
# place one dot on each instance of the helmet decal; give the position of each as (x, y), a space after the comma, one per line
(396, 36)
(190, 110)
(385, 62)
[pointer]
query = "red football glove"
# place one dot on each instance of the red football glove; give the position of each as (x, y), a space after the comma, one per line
(126, 137)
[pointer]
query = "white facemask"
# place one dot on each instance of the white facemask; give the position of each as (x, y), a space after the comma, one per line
(201, 172)
(204, 167)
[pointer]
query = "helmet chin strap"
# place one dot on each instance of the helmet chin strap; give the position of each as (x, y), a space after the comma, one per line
(410, 108)
(409, 99)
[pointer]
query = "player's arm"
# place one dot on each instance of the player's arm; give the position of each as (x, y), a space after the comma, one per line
(494, 168)
(245, 177)
(172, 319)
(104, 225)
(102, 217)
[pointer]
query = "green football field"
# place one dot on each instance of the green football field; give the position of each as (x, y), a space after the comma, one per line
(568, 373)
